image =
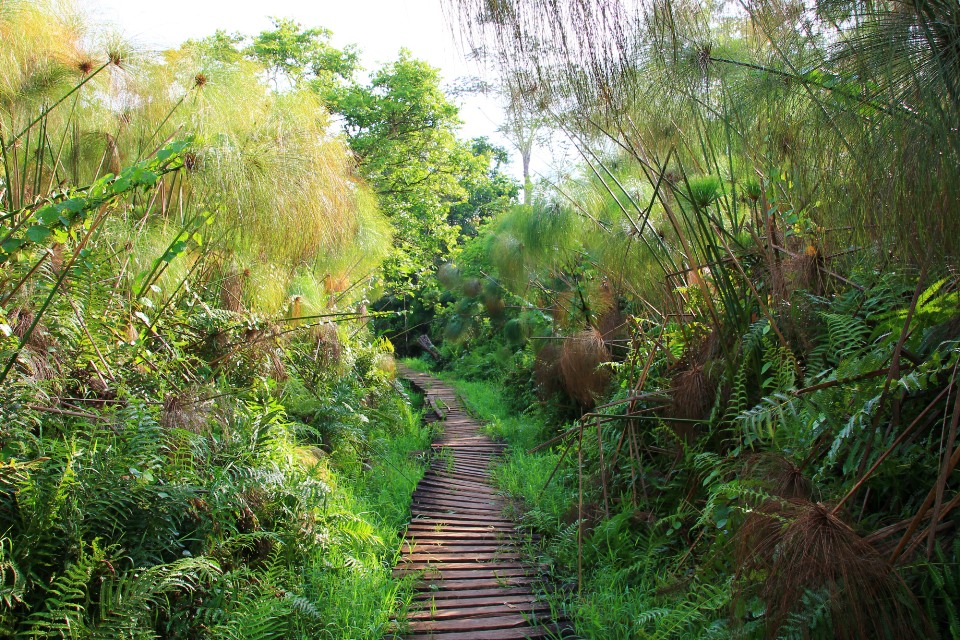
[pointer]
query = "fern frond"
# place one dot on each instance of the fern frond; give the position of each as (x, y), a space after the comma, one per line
(847, 334)
(761, 422)
(63, 614)
(13, 583)
(130, 600)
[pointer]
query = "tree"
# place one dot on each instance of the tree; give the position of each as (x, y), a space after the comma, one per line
(524, 129)
(524, 126)
(301, 55)
(294, 57)
(403, 128)
(491, 194)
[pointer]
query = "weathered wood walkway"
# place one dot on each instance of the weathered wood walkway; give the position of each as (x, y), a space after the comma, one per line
(473, 582)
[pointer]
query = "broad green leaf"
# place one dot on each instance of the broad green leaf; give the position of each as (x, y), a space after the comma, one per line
(38, 233)
(48, 214)
(74, 204)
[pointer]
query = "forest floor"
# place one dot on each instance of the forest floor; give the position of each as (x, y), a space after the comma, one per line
(474, 582)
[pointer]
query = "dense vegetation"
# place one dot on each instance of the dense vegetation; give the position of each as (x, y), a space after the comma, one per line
(724, 349)
(722, 346)
(199, 434)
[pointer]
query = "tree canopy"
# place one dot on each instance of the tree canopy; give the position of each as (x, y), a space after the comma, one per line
(403, 129)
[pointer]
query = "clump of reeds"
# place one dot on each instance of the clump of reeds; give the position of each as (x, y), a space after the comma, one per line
(457, 329)
(448, 275)
(806, 270)
(494, 306)
(493, 300)
(187, 410)
(295, 310)
(278, 368)
(692, 395)
(515, 332)
(263, 345)
(327, 346)
(703, 190)
(231, 290)
(796, 546)
(466, 307)
(335, 282)
(778, 475)
(20, 321)
(612, 325)
(562, 309)
(581, 360)
(546, 369)
(472, 287)
(38, 356)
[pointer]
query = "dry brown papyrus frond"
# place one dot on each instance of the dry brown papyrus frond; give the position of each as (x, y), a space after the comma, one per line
(795, 546)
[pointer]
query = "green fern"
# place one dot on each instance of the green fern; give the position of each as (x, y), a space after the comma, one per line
(64, 606)
(129, 601)
(763, 420)
(848, 438)
(847, 334)
(940, 590)
(737, 402)
(812, 618)
(706, 602)
(13, 582)
(651, 616)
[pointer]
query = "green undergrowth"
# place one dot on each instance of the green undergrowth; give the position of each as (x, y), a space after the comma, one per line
(627, 586)
(360, 598)
(659, 554)
(275, 510)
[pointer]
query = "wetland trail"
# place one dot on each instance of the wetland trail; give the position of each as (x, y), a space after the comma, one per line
(474, 581)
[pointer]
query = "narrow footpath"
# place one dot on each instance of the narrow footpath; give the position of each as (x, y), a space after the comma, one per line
(474, 583)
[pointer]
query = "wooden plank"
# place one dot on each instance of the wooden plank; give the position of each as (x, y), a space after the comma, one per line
(455, 556)
(452, 596)
(497, 634)
(441, 537)
(490, 564)
(433, 481)
(452, 548)
(440, 604)
(439, 526)
(462, 476)
(454, 506)
(436, 481)
(467, 584)
(473, 624)
(437, 514)
(459, 492)
(435, 577)
(460, 500)
(475, 573)
(479, 611)
(433, 493)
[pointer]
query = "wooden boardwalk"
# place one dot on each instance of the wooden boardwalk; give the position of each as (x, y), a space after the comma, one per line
(473, 582)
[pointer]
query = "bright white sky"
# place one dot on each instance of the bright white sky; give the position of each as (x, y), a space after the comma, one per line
(379, 27)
